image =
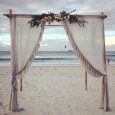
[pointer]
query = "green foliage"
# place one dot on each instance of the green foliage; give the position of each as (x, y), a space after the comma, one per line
(51, 17)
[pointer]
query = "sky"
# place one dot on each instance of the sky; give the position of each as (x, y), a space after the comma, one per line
(55, 37)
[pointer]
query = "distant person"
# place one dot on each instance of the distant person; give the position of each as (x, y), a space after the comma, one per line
(65, 47)
(108, 60)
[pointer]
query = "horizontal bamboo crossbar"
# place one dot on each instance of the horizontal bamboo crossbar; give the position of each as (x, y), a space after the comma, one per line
(30, 15)
(53, 25)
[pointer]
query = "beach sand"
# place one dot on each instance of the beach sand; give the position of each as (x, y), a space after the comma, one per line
(57, 91)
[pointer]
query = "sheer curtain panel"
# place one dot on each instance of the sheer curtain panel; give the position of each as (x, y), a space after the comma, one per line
(89, 45)
(25, 42)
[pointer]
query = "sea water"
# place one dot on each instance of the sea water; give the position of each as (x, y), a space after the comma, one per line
(53, 58)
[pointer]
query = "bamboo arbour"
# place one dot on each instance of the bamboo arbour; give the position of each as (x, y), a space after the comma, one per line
(88, 66)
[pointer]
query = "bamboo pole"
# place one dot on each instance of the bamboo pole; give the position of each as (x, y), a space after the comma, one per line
(30, 15)
(53, 25)
(85, 80)
(105, 96)
(20, 84)
(10, 14)
(104, 55)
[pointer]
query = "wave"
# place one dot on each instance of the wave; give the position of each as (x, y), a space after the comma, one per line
(64, 57)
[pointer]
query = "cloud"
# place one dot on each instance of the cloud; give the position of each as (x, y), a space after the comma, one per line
(54, 30)
(5, 46)
(55, 45)
(110, 43)
(110, 40)
(94, 7)
(40, 6)
(110, 48)
(5, 43)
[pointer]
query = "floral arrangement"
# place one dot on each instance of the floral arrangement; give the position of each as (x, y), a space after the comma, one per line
(51, 17)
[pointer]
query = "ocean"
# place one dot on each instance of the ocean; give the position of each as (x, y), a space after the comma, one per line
(53, 58)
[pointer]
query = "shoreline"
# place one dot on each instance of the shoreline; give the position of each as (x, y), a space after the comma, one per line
(34, 64)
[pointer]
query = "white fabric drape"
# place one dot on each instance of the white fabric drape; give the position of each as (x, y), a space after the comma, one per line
(89, 41)
(25, 43)
(88, 44)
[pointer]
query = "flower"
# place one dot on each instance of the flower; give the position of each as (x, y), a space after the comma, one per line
(50, 17)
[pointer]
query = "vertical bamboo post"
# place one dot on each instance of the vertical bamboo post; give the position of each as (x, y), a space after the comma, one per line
(10, 12)
(105, 95)
(10, 15)
(102, 14)
(20, 84)
(85, 80)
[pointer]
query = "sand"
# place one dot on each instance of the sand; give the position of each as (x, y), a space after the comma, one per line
(57, 91)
